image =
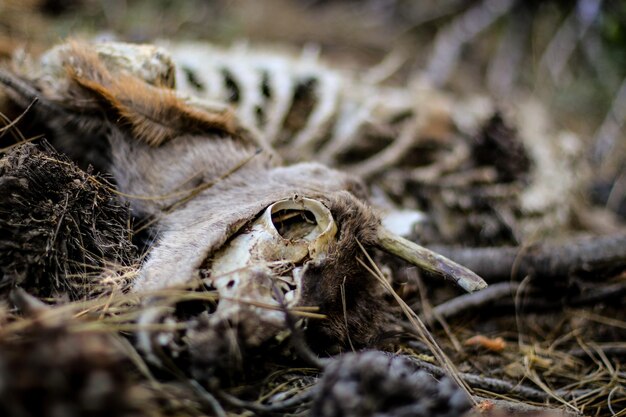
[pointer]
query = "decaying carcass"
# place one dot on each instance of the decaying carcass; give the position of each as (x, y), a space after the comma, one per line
(225, 214)
(483, 172)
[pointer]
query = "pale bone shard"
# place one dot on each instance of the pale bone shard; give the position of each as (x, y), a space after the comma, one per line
(559, 173)
(435, 263)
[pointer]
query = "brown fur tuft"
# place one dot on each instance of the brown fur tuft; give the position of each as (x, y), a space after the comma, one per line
(323, 281)
(154, 115)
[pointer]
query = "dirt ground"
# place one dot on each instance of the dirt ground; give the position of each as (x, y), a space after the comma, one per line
(535, 204)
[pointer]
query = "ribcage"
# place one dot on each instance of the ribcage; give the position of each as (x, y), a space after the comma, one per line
(490, 175)
(308, 110)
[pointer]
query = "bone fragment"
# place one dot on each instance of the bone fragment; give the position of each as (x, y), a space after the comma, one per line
(429, 260)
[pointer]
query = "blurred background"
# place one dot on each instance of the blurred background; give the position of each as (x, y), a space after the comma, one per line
(571, 55)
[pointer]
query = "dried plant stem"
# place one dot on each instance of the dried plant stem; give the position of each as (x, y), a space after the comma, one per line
(492, 385)
(297, 400)
(417, 323)
(15, 121)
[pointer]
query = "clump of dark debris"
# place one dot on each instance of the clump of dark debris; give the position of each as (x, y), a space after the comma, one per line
(497, 144)
(59, 225)
(52, 371)
(374, 383)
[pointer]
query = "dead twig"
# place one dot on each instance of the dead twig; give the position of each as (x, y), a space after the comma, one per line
(549, 260)
(25, 95)
(606, 137)
(15, 121)
(205, 396)
(568, 36)
(609, 349)
(416, 322)
(505, 66)
(451, 39)
(534, 302)
(476, 300)
(492, 384)
(297, 400)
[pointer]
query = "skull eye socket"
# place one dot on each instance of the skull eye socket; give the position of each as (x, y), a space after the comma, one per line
(294, 224)
(305, 220)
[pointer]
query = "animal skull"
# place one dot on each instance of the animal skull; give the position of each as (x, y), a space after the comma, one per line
(267, 261)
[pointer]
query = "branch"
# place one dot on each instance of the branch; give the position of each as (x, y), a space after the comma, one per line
(550, 260)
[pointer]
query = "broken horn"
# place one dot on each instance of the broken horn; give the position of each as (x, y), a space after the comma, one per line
(429, 260)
